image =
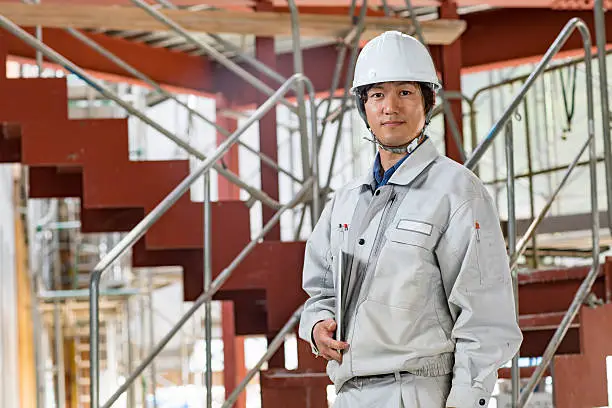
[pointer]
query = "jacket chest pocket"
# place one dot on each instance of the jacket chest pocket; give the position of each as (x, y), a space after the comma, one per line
(406, 266)
(414, 233)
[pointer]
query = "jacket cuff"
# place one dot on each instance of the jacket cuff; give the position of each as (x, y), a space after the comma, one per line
(318, 317)
(462, 396)
(313, 345)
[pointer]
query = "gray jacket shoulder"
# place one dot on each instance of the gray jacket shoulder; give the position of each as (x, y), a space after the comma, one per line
(458, 180)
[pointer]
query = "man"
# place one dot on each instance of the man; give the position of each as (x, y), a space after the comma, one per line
(427, 307)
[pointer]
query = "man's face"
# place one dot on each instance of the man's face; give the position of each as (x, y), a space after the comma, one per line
(395, 112)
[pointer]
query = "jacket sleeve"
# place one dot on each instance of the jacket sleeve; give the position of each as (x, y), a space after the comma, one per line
(477, 282)
(317, 277)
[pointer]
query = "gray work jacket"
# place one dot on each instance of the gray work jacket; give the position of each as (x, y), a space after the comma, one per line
(428, 287)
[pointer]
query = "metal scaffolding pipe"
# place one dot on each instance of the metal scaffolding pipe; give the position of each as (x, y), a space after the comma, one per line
(131, 400)
(207, 281)
(83, 294)
(600, 39)
(534, 245)
(511, 196)
(153, 368)
(335, 80)
(545, 171)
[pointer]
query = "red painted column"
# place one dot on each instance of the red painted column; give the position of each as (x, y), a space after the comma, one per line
(234, 369)
(268, 144)
(227, 190)
(451, 79)
(264, 51)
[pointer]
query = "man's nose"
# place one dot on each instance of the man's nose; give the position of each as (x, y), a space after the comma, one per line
(390, 104)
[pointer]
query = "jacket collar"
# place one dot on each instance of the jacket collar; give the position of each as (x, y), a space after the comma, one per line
(414, 165)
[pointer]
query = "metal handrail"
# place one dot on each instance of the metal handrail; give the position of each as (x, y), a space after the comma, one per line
(573, 24)
(275, 344)
(509, 142)
(135, 234)
(600, 40)
(104, 90)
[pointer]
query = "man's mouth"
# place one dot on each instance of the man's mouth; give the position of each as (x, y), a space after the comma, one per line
(393, 123)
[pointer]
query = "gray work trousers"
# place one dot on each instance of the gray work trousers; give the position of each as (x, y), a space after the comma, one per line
(394, 391)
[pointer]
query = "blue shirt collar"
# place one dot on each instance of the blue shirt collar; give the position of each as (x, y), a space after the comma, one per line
(381, 178)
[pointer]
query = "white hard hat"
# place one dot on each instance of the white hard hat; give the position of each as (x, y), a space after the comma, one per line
(394, 56)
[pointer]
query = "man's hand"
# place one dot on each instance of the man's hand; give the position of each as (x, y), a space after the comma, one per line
(322, 334)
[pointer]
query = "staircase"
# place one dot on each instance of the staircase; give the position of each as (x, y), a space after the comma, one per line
(89, 159)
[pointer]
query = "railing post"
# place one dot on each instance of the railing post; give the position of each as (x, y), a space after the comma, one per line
(94, 336)
(207, 281)
(600, 39)
(509, 136)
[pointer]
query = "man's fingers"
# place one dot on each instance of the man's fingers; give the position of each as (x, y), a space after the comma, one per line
(330, 325)
(330, 354)
(336, 345)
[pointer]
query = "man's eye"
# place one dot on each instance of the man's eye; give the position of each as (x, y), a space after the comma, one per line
(376, 95)
(405, 93)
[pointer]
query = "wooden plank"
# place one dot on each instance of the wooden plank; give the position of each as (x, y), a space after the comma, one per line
(27, 366)
(266, 24)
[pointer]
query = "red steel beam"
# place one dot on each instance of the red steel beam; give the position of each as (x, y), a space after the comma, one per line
(164, 66)
(526, 372)
(322, 6)
(234, 369)
(496, 36)
(268, 144)
(493, 38)
(451, 78)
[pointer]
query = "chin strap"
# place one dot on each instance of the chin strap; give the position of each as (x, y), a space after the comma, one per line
(405, 148)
